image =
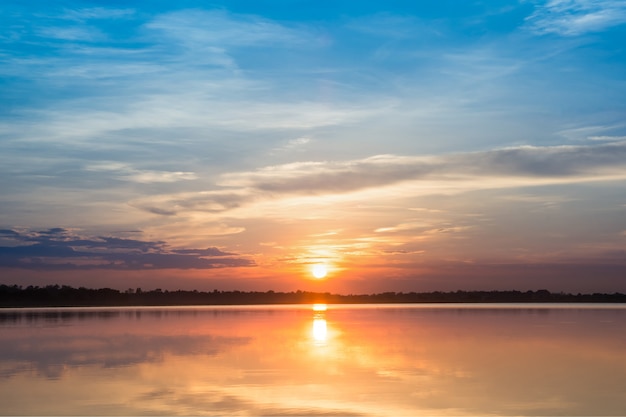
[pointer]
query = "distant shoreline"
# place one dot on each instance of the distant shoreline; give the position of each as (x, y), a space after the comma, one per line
(14, 296)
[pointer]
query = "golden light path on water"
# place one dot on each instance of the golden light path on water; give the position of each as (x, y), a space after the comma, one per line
(320, 326)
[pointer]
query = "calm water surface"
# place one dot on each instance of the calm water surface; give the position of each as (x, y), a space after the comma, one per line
(297, 360)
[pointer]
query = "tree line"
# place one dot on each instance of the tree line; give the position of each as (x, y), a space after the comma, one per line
(66, 296)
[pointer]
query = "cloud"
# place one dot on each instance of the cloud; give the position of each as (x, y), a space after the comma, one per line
(577, 17)
(77, 33)
(126, 172)
(51, 355)
(197, 28)
(501, 168)
(556, 162)
(64, 27)
(96, 13)
(62, 249)
(387, 25)
(206, 201)
(293, 144)
(608, 138)
(332, 177)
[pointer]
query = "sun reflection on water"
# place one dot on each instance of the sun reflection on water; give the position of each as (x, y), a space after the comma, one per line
(320, 326)
(320, 331)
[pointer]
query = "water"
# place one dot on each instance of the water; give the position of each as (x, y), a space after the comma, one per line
(297, 360)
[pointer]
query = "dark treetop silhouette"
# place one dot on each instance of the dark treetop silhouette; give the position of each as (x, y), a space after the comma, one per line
(65, 296)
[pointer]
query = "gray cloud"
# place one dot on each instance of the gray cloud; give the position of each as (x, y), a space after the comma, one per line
(551, 162)
(61, 249)
(206, 201)
(528, 161)
(320, 177)
(521, 166)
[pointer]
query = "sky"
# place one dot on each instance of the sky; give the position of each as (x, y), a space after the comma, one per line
(399, 145)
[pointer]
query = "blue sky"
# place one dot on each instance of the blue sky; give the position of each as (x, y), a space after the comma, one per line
(397, 140)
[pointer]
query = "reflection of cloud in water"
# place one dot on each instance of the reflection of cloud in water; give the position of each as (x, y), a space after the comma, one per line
(51, 354)
(57, 316)
(223, 403)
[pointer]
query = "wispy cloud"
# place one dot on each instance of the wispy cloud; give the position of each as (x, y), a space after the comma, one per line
(96, 13)
(293, 144)
(403, 227)
(126, 172)
(219, 27)
(393, 26)
(608, 138)
(62, 249)
(206, 201)
(76, 33)
(577, 17)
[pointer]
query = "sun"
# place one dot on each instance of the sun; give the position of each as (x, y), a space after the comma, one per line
(319, 271)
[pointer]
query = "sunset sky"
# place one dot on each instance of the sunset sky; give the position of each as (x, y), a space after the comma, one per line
(400, 145)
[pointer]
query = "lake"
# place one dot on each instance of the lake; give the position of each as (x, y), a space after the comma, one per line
(370, 360)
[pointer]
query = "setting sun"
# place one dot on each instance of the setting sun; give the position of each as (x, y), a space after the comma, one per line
(319, 271)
